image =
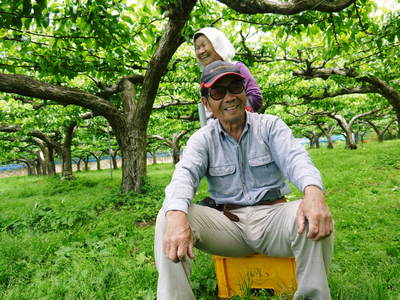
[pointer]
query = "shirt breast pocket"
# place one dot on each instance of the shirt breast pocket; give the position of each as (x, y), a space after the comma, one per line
(263, 170)
(220, 179)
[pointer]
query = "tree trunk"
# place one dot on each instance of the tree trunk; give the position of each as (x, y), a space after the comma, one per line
(98, 162)
(51, 165)
(47, 149)
(350, 143)
(133, 150)
(356, 137)
(78, 165)
(329, 139)
(66, 155)
(38, 167)
(316, 141)
(86, 163)
(311, 142)
(40, 163)
(175, 154)
(66, 164)
(346, 127)
(154, 156)
(114, 159)
(29, 168)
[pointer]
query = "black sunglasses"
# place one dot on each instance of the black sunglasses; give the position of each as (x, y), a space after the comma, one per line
(218, 92)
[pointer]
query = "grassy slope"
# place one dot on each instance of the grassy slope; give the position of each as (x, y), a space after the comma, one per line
(82, 240)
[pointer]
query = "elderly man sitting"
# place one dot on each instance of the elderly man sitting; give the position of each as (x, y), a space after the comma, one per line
(245, 158)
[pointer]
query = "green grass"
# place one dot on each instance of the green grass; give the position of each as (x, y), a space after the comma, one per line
(82, 239)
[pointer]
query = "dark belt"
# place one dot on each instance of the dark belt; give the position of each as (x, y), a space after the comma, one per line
(230, 206)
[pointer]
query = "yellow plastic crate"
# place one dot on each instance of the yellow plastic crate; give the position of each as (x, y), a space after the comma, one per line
(235, 275)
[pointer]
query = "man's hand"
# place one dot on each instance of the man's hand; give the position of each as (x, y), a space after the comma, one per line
(314, 209)
(178, 242)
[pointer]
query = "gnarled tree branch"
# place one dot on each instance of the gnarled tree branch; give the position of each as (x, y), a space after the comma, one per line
(290, 7)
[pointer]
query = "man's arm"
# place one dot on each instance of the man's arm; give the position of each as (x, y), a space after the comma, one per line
(187, 175)
(178, 241)
(314, 210)
(296, 165)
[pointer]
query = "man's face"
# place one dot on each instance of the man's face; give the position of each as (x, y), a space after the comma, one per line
(231, 108)
(205, 51)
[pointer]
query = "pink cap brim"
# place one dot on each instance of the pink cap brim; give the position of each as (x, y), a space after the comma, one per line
(210, 84)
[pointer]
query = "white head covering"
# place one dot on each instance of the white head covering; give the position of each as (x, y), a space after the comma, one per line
(219, 41)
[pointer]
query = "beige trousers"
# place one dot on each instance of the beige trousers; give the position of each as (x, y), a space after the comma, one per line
(265, 229)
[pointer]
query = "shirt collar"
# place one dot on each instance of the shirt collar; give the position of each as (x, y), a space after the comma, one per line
(223, 133)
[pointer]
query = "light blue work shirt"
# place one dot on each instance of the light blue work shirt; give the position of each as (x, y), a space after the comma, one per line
(243, 171)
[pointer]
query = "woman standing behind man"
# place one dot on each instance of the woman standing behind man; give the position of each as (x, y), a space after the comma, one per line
(210, 45)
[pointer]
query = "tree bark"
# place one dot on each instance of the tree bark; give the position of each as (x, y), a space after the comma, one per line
(31, 169)
(98, 163)
(114, 159)
(328, 135)
(154, 156)
(66, 154)
(348, 133)
(48, 156)
(133, 148)
(175, 155)
(328, 132)
(290, 7)
(97, 157)
(39, 164)
(316, 141)
(330, 142)
(51, 163)
(311, 142)
(86, 163)
(390, 93)
(78, 165)
(313, 137)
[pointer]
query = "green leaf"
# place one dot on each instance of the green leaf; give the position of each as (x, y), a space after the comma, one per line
(3, 33)
(127, 19)
(27, 22)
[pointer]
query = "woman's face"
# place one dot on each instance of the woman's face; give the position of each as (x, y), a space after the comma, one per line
(205, 51)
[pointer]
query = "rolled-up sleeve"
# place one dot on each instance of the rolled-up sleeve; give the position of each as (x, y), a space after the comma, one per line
(187, 175)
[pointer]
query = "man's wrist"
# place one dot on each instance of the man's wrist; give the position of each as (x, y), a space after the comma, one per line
(313, 186)
(175, 212)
